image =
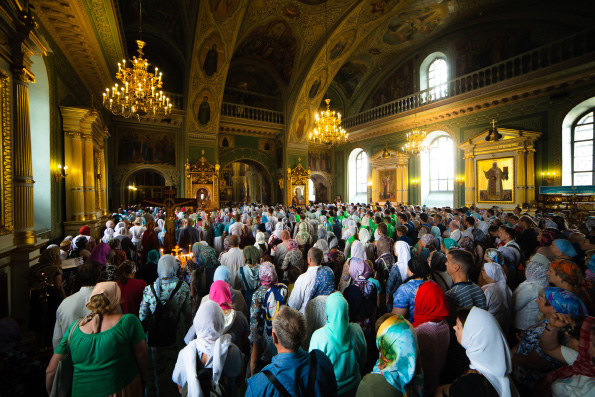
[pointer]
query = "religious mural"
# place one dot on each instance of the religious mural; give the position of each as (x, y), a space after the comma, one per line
(137, 147)
(273, 42)
(387, 180)
(398, 85)
(211, 55)
(319, 161)
(349, 76)
(203, 108)
(319, 80)
(298, 198)
(302, 124)
(223, 9)
(495, 180)
(341, 44)
(414, 24)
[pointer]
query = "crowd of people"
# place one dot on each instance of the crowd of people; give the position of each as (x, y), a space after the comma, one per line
(349, 300)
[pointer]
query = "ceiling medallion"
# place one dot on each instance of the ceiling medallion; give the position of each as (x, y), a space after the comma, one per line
(415, 140)
(327, 123)
(140, 93)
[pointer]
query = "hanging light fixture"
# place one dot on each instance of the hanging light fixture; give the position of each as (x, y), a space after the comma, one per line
(415, 140)
(386, 153)
(140, 93)
(327, 123)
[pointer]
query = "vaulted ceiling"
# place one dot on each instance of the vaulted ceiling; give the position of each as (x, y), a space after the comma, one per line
(281, 44)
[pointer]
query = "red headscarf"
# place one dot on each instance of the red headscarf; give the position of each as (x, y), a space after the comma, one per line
(582, 366)
(430, 304)
(221, 294)
(85, 231)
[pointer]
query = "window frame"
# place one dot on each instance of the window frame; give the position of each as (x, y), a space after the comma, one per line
(450, 157)
(575, 124)
(361, 164)
(441, 89)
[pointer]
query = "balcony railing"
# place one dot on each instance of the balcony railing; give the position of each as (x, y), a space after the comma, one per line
(250, 113)
(551, 54)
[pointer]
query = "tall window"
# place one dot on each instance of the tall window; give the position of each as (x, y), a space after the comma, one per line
(441, 165)
(581, 146)
(437, 78)
(361, 172)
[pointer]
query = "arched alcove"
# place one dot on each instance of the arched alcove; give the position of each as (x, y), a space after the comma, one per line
(357, 176)
(245, 180)
(39, 118)
(142, 184)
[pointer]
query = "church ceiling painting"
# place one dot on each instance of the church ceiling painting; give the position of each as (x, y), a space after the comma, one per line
(212, 55)
(350, 75)
(222, 9)
(414, 24)
(273, 42)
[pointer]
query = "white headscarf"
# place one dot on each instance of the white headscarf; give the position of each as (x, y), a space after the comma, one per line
(260, 239)
(495, 272)
(364, 235)
(358, 250)
(403, 254)
(108, 234)
(120, 229)
(487, 349)
(278, 230)
(209, 323)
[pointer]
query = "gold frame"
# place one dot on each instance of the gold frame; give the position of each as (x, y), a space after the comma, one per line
(299, 176)
(511, 177)
(6, 215)
(203, 174)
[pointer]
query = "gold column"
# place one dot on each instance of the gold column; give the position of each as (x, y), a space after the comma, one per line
(89, 178)
(24, 226)
(374, 185)
(103, 183)
(469, 180)
(521, 188)
(530, 175)
(77, 195)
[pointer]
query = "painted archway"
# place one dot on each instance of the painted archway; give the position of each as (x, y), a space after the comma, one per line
(121, 179)
(236, 184)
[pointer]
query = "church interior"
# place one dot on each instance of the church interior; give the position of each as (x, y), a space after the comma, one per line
(442, 103)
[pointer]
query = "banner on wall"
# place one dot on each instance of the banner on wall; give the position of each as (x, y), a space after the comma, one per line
(590, 189)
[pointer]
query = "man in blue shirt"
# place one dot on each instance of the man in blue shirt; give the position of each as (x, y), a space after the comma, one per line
(289, 372)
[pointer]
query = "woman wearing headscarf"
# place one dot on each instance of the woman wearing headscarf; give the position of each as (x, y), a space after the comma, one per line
(248, 274)
(130, 288)
(397, 371)
(120, 231)
(369, 248)
(236, 323)
(448, 243)
(357, 252)
(163, 359)
(80, 248)
(107, 349)
(344, 344)
(246, 237)
(293, 257)
(531, 363)
(265, 303)
(383, 267)
(213, 348)
(116, 255)
(136, 232)
(47, 269)
(148, 271)
(206, 256)
(303, 237)
(108, 233)
(433, 332)
(100, 255)
(149, 241)
(577, 379)
(276, 235)
(498, 295)
(361, 296)
(490, 364)
(85, 231)
(418, 271)
(566, 274)
(261, 244)
(222, 273)
(524, 297)
(218, 235)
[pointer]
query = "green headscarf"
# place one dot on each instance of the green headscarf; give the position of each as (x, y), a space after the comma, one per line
(450, 243)
(252, 255)
(205, 255)
(337, 323)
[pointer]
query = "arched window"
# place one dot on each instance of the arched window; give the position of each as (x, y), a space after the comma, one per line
(581, 147)
(441, 165)
(311, 191)
(361, 172)
(437, 78)
(357, 176)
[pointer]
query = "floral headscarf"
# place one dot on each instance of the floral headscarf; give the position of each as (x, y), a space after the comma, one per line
(322, 233)
(336, 257)
(565, 301)
(547, 238)
(324, 283)
(360, 272)
(568, 271)
(292, 245)
(492, 253)
(383, 246)
(466, 244)
(397, 344)
(267, 274)
(429, 241)
(205, 255)
(536, 272)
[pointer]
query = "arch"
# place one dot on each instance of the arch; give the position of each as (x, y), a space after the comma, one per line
(259, 166)
(39, 99)
(321, 188)
(570, 120)
(152, 185)
(425, 65)
(236, 154)
(438, 196)
(357, 161)
(311, 191)
(131, 171)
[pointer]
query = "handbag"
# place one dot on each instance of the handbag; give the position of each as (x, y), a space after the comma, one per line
(62, 386)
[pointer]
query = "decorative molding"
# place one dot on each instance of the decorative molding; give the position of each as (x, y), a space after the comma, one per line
(6, 215)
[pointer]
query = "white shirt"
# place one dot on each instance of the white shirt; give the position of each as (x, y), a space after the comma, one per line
(234, 260)
(455, 235)
(469, 232)
(525, 307)
(235, 229)
(302, 289)
(71, 309)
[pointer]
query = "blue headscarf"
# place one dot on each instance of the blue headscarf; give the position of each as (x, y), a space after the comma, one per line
(222, 273)
(324, 283)
(565, 247)
(565, 302)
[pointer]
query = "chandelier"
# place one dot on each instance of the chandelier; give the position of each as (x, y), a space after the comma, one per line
(327, 124)
(415, 140)
(328, 128)
(140, 91)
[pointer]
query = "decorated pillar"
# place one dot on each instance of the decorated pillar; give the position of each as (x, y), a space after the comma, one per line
(469, 180)
(521, 177)
(89, 177)
(73, 159)
(103, 182)
(530, 175)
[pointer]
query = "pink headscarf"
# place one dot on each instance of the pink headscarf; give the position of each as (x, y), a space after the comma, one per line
(292, 245)
(100, 253)
(221, 294)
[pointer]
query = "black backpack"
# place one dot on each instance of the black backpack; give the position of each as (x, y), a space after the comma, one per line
(163, 324)
(205, 378)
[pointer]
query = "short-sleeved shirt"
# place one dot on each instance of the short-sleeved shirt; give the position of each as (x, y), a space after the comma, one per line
(104, 363)
(404, 298)
(464, 294)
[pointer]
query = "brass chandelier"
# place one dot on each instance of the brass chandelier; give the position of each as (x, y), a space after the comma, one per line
(327, 123)
(140, 91)
(415, 140)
